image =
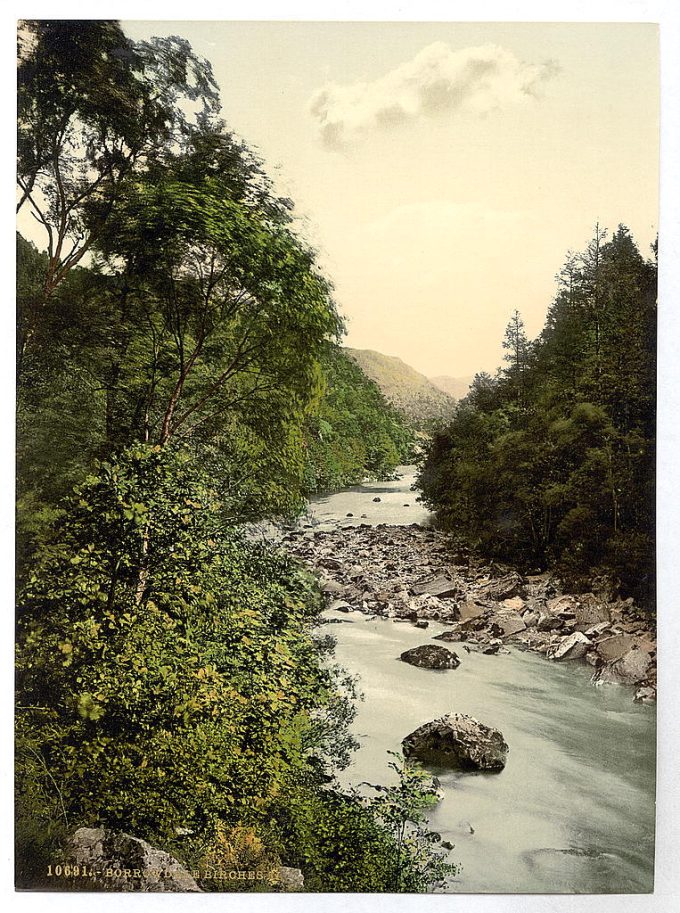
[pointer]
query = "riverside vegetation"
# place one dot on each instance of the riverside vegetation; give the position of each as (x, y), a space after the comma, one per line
(174, 344)
(550, 464)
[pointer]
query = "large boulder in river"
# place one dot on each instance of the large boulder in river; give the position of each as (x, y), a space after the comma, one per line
(431, 656)
(457, 740)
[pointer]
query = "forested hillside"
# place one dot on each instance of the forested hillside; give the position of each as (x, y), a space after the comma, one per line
(354, 433)
(551, 462)
(172, 339)
(416, 398)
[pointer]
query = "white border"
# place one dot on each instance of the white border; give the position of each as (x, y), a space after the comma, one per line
(667, 892)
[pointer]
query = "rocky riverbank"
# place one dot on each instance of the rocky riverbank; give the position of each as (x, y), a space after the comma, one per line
(416, 574)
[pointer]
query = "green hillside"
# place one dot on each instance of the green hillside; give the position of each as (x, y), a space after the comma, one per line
(355, 433)
(410, 392)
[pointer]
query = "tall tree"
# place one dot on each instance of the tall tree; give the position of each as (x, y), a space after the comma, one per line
(93, 108)
(517, 349)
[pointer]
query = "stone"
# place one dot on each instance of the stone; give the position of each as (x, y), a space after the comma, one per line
(591, 611)
(149, 870)
(290, 880)
(442, 587)
(534, 640)
(493, 647)
(647, 643)
(421, 623)
(458, 740)
(561, 605)
(453, 636)
(331, 586)
(505, 625)
(548, 622)
(613, 648)
(597, 629)
(431, 656)
(377, 500)
(629, 669)
(332, 564)
(645, 695)
(573, 647)
(530, 619)
(515, 604)
(504, 588)
(339, 605)
(470, 610)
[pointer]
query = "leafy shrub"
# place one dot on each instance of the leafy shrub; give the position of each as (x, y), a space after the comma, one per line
(167, 677)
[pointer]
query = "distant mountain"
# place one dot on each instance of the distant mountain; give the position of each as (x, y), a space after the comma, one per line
(457, 387)
(410, 392)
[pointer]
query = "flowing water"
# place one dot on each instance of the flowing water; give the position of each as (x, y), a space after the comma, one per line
(397, 505)
(573, 810)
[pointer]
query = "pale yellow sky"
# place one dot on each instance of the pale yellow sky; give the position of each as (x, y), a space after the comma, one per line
(443, 170)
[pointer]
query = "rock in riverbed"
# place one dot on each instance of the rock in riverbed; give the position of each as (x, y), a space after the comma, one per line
(431, 656)
(573, 647)
(630, 669)
(459, 741)
(442, 587)
(417, 574)
(505, 625)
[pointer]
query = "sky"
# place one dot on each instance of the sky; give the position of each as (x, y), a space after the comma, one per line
(444, 170)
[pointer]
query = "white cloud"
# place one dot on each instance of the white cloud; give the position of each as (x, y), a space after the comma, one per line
(436, 82)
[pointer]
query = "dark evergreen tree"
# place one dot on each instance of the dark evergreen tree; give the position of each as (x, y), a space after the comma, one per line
(551, 463)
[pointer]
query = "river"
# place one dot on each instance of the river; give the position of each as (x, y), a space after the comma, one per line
(573, 811)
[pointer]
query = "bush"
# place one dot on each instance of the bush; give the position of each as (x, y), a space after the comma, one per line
(167, 677)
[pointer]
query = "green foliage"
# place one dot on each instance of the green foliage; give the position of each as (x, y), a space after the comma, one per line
(166, 673)
(418, 864)
(203, 322)
(94, 109)
(353, 433)
(201, 316)
(354, 842)
(552, 462)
